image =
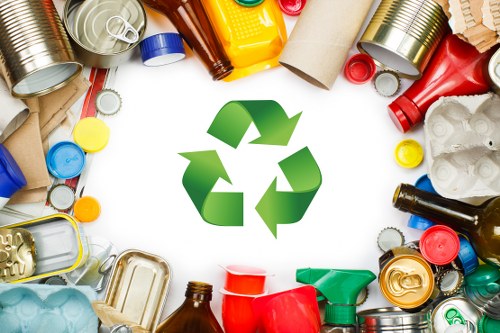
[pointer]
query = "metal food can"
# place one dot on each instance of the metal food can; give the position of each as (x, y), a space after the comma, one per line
(35, 54)
(104, 33)
(393, 320)
(406, 279)
(403, 35)
(494, 71)
(485, 299)
(454, 311)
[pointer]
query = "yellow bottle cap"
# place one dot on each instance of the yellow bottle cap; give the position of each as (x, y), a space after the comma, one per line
(91, 134)
(87, 209)
(409, 153)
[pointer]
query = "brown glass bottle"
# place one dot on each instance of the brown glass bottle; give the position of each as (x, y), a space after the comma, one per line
(480, 223)
(191, 20)
(195, 314)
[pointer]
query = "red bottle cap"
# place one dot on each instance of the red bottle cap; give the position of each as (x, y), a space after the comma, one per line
(292, 7)
(439, 245)
(404, 113)
(360, 68)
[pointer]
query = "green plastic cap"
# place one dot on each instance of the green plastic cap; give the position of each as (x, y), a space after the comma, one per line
(249, 3)
(488, 325)
(483, 275)
(340, 314)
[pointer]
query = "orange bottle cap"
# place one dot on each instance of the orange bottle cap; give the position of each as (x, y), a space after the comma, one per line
(87, 209)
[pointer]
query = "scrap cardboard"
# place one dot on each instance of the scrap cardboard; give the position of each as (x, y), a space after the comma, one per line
(14, 112)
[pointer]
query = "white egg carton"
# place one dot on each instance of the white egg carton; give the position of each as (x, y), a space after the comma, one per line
(462, 137)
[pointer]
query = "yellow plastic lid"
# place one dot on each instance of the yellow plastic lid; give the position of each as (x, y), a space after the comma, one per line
(87, 209)
(409, 153)
(91, 134)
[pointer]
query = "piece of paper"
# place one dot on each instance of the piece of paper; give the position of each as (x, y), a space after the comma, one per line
(29, 196)
(13, 112)
(321, 39)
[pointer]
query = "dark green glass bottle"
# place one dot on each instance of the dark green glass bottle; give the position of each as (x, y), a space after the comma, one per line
(480, 223)
(195, 314)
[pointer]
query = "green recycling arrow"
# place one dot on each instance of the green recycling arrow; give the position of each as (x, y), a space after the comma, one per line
(219, 208)
(234, 119)
(304, 176)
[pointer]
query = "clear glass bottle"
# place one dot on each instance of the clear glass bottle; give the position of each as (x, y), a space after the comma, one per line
(195, 314)
(481, 223)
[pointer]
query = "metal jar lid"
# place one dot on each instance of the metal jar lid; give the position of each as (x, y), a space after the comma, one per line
(392, 320)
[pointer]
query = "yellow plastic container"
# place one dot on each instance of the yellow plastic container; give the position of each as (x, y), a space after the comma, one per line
(253, 37)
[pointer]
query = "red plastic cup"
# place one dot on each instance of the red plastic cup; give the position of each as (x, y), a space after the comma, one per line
(237, 313)
(292, 7)
(245, 280)
(439, 245)
(360, 68)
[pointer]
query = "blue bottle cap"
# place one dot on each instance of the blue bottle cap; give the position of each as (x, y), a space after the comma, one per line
(424, 184)
(65, 160)
(420, 223)
(11, 177)
(467, 256)
(162, 49)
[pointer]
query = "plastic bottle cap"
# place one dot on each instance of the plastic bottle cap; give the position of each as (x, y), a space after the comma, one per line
(387, 83)
(409, 153)
(292, 7)
(419, 223)
(488, 325)
(482, 276)
(61, 197)
(162, 49)
(91, 134)
(65, 160)
(390, 238)
(425, 184)
(108, 102)
(249, 3)
(467, 256)
(87, 209)
(360, 68)
(439, 245)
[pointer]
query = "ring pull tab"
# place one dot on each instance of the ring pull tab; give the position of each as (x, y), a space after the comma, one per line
(126, 32)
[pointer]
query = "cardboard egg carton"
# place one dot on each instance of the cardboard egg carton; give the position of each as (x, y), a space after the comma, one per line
(462, 136)
(475, 21)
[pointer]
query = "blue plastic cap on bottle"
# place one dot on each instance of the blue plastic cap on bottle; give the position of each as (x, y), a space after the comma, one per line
(162, 49)
(11, 177)
(467, 256)
(420, 223)
(65, 160)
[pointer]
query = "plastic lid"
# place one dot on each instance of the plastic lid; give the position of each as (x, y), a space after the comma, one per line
(108, 102)
(162, 49)
(439, 245)
(404, 113)
(467, 256)
(13, 178)
(409, 153)
(425, 184)
(340, 314)
(65, 160)
(360, 68)
(292, 7)
(419, 223)
(249, 3)
(61, 197)
(390, 238)
(482, 276)
(488, 325)
(87, 209)
(387, 83)
(91, 134)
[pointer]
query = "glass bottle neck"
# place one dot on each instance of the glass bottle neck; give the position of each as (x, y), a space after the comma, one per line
(199, 292)
(456, 214)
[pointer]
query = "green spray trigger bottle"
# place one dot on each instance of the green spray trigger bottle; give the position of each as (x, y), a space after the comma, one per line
(340, 287)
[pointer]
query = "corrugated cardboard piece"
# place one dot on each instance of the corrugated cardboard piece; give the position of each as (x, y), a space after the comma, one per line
(321, 39)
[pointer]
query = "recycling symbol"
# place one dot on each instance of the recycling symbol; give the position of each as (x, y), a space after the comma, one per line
(275, 207)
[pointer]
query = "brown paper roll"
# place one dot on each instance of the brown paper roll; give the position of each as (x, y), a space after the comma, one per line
(319, 43)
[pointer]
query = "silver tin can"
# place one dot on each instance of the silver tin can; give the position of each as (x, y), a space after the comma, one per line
(393, 320)
(35, 54)
(494, 71)
(455, 311)
(104, 33)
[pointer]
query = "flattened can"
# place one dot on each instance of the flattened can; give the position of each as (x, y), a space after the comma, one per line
(393, 320)
(35, 54)
(104, 33)
(454, 311)
(406, 279)
(17, 254)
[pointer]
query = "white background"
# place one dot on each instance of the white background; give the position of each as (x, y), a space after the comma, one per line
(168, 110)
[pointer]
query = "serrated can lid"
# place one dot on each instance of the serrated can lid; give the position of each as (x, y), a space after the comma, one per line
(61, 197)
(108, 102)
(390, 238)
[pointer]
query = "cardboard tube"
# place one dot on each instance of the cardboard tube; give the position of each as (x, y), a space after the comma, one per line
(14, 112)
(319, 43)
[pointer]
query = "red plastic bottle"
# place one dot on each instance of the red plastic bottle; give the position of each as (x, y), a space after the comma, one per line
(456, 68)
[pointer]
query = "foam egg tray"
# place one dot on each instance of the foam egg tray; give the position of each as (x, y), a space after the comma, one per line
(45, 308)
(462, 136)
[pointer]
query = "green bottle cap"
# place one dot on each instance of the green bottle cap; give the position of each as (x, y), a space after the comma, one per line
(340, 314)
(483, 275)
(249, 3)
(488, 325)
